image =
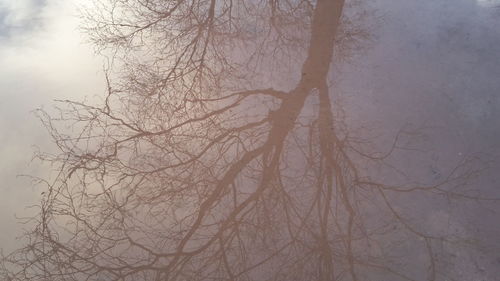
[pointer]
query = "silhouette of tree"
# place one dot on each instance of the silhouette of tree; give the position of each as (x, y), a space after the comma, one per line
(196, 167)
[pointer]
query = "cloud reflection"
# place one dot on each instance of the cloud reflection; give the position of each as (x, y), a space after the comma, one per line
(42, 58)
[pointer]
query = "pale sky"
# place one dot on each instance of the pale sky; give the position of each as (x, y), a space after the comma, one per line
(431, 59)
(42, 57)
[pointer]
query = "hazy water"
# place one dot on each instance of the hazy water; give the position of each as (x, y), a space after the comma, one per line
(430, 62)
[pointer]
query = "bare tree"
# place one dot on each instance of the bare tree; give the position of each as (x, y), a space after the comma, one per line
(198, 167)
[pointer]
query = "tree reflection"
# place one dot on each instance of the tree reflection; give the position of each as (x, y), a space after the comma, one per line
(196, 167)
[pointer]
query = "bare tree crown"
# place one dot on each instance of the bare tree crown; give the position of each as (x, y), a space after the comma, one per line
(217, 154)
